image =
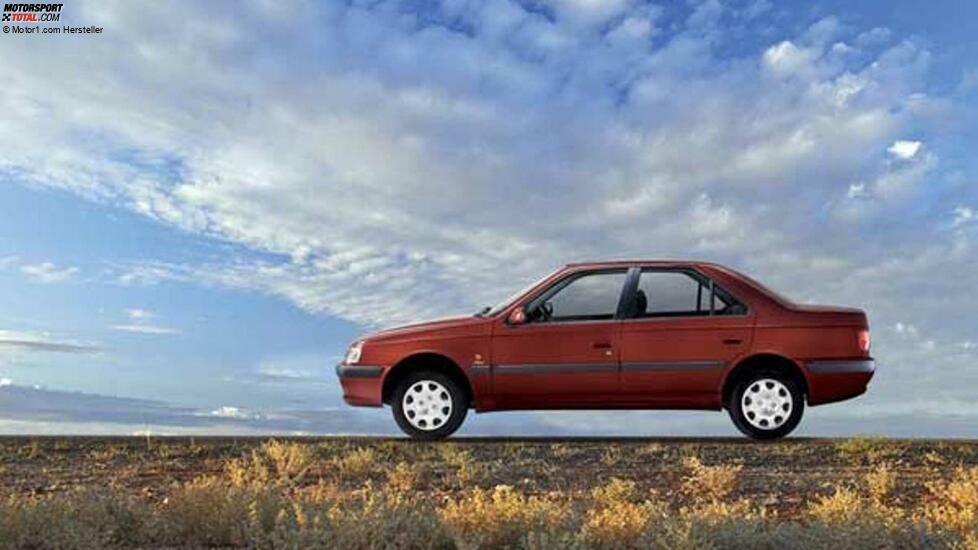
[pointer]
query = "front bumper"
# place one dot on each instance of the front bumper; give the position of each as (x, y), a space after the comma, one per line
(358, 371)
(362, 384)
(838, 379)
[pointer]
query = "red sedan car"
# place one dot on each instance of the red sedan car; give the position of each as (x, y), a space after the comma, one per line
(619, 335)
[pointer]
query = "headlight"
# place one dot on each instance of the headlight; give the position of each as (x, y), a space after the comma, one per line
(353, 354)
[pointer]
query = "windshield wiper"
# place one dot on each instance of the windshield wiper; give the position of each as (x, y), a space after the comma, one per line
(483, 311)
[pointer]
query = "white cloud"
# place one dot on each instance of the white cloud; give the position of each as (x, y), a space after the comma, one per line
(140, 323)
(145, 329)
(6, 382)
(904, 328)
(47, 272)
(589, 11)
(14, 341)
(903, 149)
(231, 412)
(140, 314)
(785, 58)
(857, 191)
(964, 215)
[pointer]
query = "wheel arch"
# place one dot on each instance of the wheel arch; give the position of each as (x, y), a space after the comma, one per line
(426, 360)
(763, 360)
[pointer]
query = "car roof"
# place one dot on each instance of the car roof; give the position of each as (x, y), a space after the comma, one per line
(643, 263)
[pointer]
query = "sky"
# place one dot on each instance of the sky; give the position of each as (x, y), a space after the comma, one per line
(201, 207)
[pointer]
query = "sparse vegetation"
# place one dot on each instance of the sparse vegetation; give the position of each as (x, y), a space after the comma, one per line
(502, 517)
(863, 447)
(357, 464)
(60, 493)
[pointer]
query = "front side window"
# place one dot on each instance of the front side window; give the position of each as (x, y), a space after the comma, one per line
(588, 297)
(680, 294)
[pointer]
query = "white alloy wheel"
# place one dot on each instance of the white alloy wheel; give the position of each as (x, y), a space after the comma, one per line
(427, 405)
(767, 404)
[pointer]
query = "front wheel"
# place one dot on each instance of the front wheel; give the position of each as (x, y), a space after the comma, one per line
(429, 405)
(766, 405)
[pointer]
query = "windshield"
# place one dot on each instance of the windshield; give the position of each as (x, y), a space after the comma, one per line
(494, 310)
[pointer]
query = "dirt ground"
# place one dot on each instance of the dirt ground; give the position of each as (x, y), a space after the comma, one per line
(781, 475)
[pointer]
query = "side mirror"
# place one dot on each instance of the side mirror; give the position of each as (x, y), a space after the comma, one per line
(517, 316)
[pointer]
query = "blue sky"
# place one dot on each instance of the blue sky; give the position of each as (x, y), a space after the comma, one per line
(198, 214)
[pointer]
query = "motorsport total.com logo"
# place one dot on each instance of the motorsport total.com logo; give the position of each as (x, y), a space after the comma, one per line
(32, 13)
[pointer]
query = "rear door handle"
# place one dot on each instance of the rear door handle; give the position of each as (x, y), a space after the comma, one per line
(602, 345)
(732, 341)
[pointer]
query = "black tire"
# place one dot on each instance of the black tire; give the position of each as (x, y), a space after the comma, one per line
(750, 383)
(457, 396)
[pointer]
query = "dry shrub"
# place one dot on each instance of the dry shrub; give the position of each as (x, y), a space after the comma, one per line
(953, 505)
(934, 457)
(611, 456)
(82, 519)
(453, 453)
(847, 508)
(387, 521)
(290, 461)
(403, 477)
(356, 464)
(616, 490)
(207, 512)
(737, 533)
(248, 471)
(275, 462)
(32, 451)
(861, 446)
(709, 483)
(880, 483)
(468, 472)
(651, 449)
(718, 510)
(501, 517)
(561, 450)
(616, 520)
(210, 511)
(843, 506)
(104, 454)
(620, 525)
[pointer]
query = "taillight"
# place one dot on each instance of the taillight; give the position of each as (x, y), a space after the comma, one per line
(863, 337)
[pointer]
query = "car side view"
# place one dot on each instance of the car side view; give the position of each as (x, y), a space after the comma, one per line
(619, 335)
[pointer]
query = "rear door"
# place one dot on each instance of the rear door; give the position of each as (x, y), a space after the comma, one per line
(566, 354)
(682, 330)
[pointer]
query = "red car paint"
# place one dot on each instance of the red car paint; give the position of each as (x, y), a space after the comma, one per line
(680, 362)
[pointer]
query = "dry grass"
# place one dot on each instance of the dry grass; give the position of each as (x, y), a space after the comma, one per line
(357, 464)
(297, 494)
(709, 483)
(869, 448)
(403, 478)
(617, 517)
(501, 517)
(953, 504)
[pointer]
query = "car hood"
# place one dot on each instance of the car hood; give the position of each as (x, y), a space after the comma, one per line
(433, 325)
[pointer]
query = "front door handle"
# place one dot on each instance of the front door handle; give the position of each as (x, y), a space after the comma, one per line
(602, 345)
(732, 341)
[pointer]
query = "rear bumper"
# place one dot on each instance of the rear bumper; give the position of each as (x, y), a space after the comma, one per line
(838, 379)
(362, 384)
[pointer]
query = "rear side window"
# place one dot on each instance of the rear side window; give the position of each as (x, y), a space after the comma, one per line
(681, 294)
(589, 297)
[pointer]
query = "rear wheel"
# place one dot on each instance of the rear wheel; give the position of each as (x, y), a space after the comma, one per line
(428, 405)
(766, 405)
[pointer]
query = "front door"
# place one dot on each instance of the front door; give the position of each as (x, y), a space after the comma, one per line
(681, 332)
(566, 354)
